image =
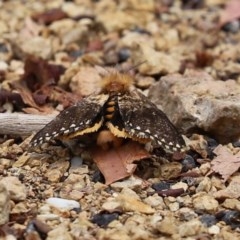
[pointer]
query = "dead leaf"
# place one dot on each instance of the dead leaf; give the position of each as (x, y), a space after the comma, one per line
(13, 97)
(231, 12)
(55, 94)
(28, 99)
(38, 72)
(117, 163)
(225, 163)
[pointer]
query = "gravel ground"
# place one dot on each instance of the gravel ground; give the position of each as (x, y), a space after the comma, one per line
(186, 58)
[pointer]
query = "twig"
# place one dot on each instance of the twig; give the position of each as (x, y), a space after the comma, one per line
(22, 124)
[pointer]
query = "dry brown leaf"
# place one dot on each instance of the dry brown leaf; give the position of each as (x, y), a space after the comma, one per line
(56, 94)
(225, 163)
(117, 163)
(231, 12)
(28, 99)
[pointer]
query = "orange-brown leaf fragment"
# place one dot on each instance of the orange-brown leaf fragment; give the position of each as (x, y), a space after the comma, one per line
(117, 163)
(225, 163)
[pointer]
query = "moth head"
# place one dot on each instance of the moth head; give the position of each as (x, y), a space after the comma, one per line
(117, 82)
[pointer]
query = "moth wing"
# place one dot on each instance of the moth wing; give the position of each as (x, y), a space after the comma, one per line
(79, 119)
(143, 120)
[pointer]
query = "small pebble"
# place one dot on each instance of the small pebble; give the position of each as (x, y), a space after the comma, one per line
(208, 220)
(3, 66)
(63, 204)
(214, 229)
(188, 163)
(103, 219)
(161, 186)
(76, 162)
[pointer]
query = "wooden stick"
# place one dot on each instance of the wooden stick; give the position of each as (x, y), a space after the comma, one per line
(22, 124)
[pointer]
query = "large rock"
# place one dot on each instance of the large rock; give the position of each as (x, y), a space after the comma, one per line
(195, 101)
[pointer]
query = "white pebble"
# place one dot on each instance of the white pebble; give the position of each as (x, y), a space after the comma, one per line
(214, 229)
(62, 204)
(3, 66)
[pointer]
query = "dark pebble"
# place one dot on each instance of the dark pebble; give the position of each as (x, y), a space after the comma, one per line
(236, 144)
(124, 54)
(161, 186)
(103, 219)
(3, 48)
(212, 144)
(232, 26)
(208, 220)
(76, 53)
(98, 177)
(231, 218)
(188, 163)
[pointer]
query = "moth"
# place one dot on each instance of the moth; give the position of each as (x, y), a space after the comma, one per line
(126, 113)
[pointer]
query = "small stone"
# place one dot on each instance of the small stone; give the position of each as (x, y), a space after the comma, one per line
(188, 163)
(3, 27)
(103, 219)
(60, 233)
(232, 204)
(111, 206)
(155, 201)
(75, 163)
(36, 46)
(3, 66)
(180, 185)
(48, 217)
(133, 204)
(232, 190)
(17, 191)
(205, 203)
(73, 187)
(208, 220)
(204, 186)
(4, 204)
(170, 170)
(145, 82)
(191, 228)
(19, 208)
(167, 226)
(63, 204)
(214, 230)
(173, 207)
(132, 183)
(161, 186)
(205, 168)
(56, 170)
(186, 214)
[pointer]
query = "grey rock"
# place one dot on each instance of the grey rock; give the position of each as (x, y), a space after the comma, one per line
(196, 101)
